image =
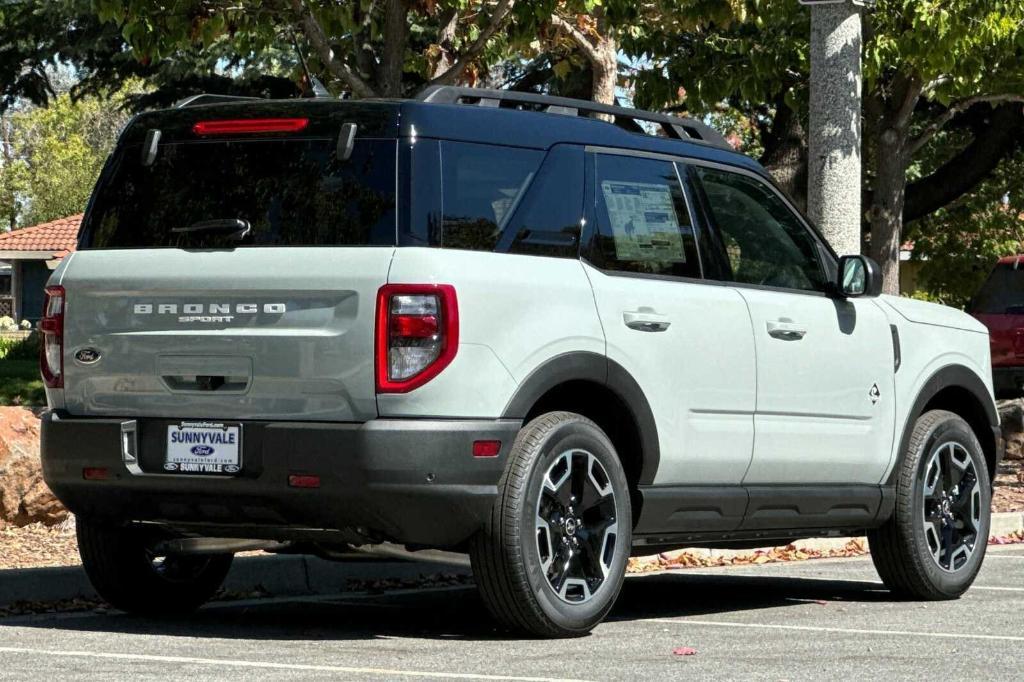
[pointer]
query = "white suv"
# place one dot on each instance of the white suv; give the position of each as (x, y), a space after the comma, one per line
(488, 322)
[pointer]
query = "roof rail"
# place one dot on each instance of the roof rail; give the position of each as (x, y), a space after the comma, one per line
(208, 98)
(624, 117)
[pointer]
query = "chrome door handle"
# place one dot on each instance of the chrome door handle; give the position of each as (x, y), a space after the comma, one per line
(645, 320)
(786, 330)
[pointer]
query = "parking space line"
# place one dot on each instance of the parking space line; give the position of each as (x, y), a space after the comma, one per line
(843, 631)
(267, 665)
(1001, 589)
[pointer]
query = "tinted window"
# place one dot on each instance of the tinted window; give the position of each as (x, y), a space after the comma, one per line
(547, 220)
(291, 192)
(644, 224)
(1003, 292)
(481, 186)
(765, 242)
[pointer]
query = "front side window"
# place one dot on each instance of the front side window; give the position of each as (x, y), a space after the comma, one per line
(644, 224)
(481, 186)
(765, 242)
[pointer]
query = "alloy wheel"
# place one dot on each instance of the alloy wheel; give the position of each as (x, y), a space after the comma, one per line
(951, 509)
(576, 525)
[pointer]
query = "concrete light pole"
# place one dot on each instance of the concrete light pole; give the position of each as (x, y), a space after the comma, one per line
(834, 145)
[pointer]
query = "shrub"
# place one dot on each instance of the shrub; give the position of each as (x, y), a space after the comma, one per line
(20, 349)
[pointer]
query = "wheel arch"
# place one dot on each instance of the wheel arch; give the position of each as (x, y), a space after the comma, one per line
(959, 390)
(602, 390)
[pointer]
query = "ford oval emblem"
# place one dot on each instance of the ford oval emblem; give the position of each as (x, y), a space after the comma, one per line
(202, 450)
(87, 356)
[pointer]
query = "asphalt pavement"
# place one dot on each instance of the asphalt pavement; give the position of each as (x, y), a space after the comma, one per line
(789, 621)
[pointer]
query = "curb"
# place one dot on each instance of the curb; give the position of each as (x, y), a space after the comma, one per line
(278, 575)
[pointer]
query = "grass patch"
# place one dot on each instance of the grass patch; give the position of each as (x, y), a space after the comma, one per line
(20, 383)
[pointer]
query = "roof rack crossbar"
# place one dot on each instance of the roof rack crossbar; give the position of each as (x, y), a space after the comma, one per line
(672, 126)
(209, 98)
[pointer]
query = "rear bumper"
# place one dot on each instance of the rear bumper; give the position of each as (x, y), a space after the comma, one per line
(411, 481)
(1008, 382)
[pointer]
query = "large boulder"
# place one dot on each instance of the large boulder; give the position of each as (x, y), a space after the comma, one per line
(1011, 416)
(24, 497)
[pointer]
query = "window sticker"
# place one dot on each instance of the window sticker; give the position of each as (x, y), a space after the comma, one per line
(644, 223)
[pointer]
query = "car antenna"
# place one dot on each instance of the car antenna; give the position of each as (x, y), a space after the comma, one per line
(314, 88)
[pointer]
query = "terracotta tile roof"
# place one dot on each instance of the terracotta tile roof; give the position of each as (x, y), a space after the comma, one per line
(58, 237)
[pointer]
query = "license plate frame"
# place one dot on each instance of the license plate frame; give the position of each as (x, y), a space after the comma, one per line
(203, 448)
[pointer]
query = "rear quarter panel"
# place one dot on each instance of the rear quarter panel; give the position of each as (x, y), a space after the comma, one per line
(515, 313)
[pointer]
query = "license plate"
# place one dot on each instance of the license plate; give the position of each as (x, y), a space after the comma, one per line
(204, 448)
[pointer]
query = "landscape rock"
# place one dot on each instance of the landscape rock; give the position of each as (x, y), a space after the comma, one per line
(24, 497)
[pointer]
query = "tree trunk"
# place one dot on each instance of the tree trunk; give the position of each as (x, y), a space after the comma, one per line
(396, 37)
(606, 70)
(449, 23)
(785, 154)
(890, 186)
(7, 161)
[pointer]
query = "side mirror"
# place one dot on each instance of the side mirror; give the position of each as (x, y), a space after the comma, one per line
(859, 277)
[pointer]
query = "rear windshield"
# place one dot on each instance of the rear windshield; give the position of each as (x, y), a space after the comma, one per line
(1003, 292)
(289, 192)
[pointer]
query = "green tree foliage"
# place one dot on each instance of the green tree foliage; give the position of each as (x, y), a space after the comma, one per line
(53, 156)
(929, 65)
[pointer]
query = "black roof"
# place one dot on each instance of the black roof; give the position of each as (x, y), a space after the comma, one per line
(525, 120)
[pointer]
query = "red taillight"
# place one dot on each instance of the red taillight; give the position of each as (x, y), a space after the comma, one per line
(51, 352)
(417, 334)
(250, 125)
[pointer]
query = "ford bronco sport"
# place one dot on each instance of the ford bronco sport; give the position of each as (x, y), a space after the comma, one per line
(493, 323)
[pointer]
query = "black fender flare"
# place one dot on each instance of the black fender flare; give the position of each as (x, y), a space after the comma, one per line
(950, 375)
(594, 367)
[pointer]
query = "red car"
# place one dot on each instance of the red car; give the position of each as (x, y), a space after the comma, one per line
(999, 305)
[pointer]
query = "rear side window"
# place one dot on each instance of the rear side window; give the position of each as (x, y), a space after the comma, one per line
(481, 186)
(644, 223)
(291, 193)
(1002, 293)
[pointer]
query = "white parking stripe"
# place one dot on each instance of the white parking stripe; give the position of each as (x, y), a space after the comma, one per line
(843, 631)
(229, 663)
(1001, 589)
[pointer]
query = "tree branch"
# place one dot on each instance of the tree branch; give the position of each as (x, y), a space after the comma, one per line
(952, 112)
(588, 48)
(338, 68)
(497, 18)
(996, 136)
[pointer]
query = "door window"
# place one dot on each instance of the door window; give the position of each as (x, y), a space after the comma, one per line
(765, 242)
(644, 224)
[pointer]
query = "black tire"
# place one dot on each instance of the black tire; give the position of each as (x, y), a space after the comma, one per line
(130, 578)
(532, 525)
(920, 562)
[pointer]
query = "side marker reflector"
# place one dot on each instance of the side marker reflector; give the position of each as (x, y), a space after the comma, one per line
(95, 473)
(303, 481)
(486, 448)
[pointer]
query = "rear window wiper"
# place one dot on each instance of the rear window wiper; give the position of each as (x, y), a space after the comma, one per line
(227, 226)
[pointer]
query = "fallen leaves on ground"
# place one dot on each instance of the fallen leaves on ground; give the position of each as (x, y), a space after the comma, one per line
(684, 651)
(378, 585)
(38, 546)
(697, 559)
(1011, 539)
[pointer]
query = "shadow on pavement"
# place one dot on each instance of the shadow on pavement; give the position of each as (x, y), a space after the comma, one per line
(458, 613)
